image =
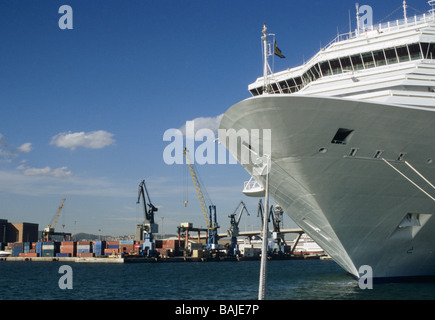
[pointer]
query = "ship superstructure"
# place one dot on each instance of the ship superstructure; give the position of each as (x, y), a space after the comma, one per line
(383, 63)
(352, 145)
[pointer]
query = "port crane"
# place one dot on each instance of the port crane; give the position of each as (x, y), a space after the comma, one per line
(233, 231)
(209, 211)
(274, 214)
(48, 232)
(148, 227)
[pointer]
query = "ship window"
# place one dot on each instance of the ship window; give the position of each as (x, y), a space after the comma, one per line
(425, 49)
(378, 154)
(342, 136)
(315, 73)
(431, 53)
(357, 62)
(368, 60)
(353, 152)
(401, 156)
(317, 67)
(298, 81)
(391, 56)
(336, 67)
(326, 70)
(292, 85)
(379, 58)
(306, 78)
(284, 87)
(346, 64)
(414, 51)
(275, 88)
(402, 52)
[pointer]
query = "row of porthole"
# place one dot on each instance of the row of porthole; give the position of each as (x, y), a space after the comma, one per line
(377, 155)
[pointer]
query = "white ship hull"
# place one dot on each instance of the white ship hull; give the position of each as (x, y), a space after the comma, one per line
(348, 199)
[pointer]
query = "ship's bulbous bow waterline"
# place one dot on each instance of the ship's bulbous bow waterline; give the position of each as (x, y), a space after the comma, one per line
(354, 175)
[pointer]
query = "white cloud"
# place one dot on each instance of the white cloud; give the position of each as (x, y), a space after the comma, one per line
(211, 123)
(7, 153)
(92, 140)
(25, 147)
(46, 171)
(47, 181)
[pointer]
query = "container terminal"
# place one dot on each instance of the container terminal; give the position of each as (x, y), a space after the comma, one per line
(190, 245)
(23, 241)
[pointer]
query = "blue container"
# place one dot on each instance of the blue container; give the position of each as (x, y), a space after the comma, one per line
(113, 246)
(39, 248)
(126, 242)
(63, 254)
(27, 246)
(83, 250)
(16, 250)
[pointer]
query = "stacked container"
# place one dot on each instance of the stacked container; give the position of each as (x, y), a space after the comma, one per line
(17, 248)
(98, 248)
(112, 247)
(67, 249)
(26, 247)
(49, 249)
(84, 249)
(38, 248)
(126, 246)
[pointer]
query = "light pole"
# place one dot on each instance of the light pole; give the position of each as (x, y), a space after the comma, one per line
(263, 265)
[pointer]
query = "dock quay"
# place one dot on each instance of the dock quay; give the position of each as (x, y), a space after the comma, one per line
(140, 259)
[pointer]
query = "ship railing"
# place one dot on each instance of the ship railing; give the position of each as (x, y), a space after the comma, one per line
(386, 26)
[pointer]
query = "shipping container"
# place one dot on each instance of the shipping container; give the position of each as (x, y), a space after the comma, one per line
(109, 252)
(68, 243)
(63, 254)
(48, 253)
(85, 254)
(33, 255)
(126, 242)
(16, 250)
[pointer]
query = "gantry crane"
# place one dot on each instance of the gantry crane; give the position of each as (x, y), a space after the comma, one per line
(148, 227)
(233, 231)
(49, 230)
(209, 211)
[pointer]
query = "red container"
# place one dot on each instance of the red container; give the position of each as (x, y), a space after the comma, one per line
(67, 243)
(85, 254)
(110, 251)
(33, 255)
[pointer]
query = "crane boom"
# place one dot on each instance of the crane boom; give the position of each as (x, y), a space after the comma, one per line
(197, 188)
(149, 214)
(56, 217)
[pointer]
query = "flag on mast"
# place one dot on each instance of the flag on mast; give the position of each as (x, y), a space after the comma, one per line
(277, 51)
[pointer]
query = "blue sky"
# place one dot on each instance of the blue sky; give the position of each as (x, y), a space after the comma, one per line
(83, 111)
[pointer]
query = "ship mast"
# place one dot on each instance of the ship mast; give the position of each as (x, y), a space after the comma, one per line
(404, 12)
(357, 18)
(266, 61)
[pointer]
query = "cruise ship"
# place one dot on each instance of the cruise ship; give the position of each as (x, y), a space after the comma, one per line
(351, 151)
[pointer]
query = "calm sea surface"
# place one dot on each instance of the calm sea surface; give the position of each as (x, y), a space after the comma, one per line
(286, 280)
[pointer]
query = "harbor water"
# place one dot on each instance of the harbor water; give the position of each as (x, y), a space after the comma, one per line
(286, 280)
